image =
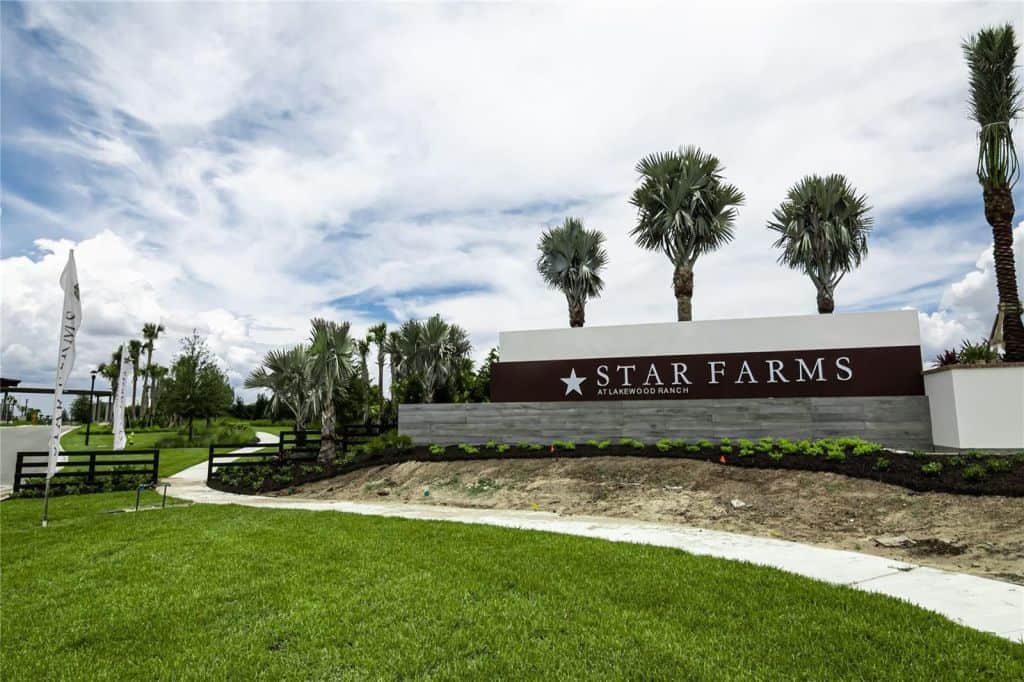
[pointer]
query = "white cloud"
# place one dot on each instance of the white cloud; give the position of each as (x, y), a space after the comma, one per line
(968, 305)
(261, 161)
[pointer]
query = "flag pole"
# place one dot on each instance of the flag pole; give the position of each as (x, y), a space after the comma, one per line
(46, 502)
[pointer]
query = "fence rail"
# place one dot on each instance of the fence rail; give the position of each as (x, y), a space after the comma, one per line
(85, 464)
(293, 446)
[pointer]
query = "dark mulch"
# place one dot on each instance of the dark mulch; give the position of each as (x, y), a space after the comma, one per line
(903, 469)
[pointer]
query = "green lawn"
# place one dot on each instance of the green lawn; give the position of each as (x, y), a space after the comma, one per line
(223, 592)
(172, 460)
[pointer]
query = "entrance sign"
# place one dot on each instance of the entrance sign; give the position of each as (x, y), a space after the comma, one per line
(864, 354)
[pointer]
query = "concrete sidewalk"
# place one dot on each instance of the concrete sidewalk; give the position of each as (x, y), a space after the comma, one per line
(979, 603)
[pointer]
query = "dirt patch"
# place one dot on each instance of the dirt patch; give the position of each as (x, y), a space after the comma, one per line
(979, 535)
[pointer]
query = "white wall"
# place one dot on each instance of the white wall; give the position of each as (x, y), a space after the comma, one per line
(977, 407)
(798, 332)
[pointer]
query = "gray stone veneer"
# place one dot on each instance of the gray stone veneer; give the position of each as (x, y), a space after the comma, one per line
(900, 422)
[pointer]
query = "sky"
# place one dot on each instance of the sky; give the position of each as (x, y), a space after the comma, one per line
(240, 168)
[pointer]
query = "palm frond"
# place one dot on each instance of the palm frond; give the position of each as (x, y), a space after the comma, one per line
(995, 99)
(685, 208)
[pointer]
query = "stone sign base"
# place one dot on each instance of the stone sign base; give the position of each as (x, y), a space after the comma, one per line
(899, 422)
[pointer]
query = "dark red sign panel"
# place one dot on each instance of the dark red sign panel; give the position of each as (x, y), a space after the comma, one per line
(894, 370)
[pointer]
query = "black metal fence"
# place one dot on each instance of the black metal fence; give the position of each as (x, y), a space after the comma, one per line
(86, 467)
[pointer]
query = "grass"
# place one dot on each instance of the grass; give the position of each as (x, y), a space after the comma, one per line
(172, 460)
(225, 592)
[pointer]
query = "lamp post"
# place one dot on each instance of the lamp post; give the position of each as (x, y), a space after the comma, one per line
(88, 424)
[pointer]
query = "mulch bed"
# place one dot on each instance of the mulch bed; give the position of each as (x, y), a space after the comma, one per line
(904, 469)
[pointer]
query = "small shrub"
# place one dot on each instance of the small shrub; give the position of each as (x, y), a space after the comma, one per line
(502, 448)
(746, 452)
(725, 441)
(530, 447)
(975, 472)
(881, 464)
(694, 448)
(946, 358)
(787, 446)
(931, 468)
(704, 444)
(599, 444)
(664, 445)
(866, 448)
(468, 449)
(775, 455)
(678, 443)
(764, 445)
(631, 443)
(725, 448)
(436, 450)
(563, 445)
(999, 464)
(976, 353)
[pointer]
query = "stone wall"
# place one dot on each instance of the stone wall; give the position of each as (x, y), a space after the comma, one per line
(901, 422)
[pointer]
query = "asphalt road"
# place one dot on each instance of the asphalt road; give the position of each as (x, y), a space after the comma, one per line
(14, 439)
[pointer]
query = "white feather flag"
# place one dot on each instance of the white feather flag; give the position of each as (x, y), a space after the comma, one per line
(70, 321)
(120, 439)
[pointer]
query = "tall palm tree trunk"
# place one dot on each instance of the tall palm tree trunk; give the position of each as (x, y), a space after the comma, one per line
(146, 397)
(328, 448)
(682, 282)
(826, 302)
(576, 313)
(999, 214)
(380, 387)
(135, 386)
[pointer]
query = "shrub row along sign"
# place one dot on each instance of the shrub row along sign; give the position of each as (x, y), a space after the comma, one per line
(863, 354)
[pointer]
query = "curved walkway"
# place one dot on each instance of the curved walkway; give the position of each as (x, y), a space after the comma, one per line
(979, 603)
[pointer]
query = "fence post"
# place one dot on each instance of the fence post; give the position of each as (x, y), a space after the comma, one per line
(156, 466)
(17, 471)
(209, 464)
(91, 477)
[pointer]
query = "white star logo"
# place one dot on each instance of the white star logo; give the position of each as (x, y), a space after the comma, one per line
(572, 382)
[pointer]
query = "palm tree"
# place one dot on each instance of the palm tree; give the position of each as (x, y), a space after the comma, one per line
(363, 348)
(823, 227)
(431, 352)
(379, 336)
(571, 259)
(995, 100)
(134, 354)
(150, 332)
(157, 373)
(685, 209)
(330, 349)
(111, 371)
(286, 373)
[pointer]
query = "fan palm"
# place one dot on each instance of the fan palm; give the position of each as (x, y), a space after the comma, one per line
(379, 335)
(330, 350)
(995, 100)
(430, 352)
(823, 227)
(286, 373)
(363, 348)
(685, 209)
(571, 259)
(134, 354)
(150, 332)
(157, 373)
(393, 347)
